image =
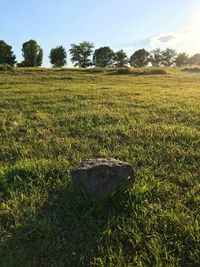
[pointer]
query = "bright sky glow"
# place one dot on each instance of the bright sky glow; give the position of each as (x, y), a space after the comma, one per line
(127, 24)
(186, 39)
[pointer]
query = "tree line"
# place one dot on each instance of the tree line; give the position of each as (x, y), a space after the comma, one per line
(83, 55)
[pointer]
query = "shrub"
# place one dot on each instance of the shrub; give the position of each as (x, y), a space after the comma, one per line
(6, 67)
(95, 70)
(124, 71)
(141, 71)
(192, 69)
(154, 71)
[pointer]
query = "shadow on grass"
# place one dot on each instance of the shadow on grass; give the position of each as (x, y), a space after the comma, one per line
(66, 231)
(192, 69)
(138, 71)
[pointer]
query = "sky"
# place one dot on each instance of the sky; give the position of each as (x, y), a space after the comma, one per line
(127, 24)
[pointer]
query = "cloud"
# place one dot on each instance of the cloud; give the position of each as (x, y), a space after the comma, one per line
(166, 39)
(163, 39)
(187, 40)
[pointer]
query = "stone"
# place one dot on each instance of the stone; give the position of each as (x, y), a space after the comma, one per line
(102, 176)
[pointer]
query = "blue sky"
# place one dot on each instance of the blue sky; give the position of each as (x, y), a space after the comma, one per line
(127, 24)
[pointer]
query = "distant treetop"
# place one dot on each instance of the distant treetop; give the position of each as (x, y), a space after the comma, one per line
(83, 55)
(6, 54)
(32, 54)
(58, 56)
(80, 54)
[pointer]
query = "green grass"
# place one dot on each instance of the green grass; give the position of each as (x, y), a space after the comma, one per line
(51, 120)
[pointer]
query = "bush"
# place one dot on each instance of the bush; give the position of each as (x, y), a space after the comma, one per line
(141, 71)
(192, 69)
(6, 67)
(124, 71)
(155, 71)
(95, 70)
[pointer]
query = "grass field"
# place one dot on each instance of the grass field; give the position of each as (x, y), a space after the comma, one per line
(50, 120)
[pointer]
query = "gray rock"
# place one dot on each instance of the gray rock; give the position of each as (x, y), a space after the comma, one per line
(102, 176)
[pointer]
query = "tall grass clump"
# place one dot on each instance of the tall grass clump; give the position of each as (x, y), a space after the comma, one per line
(6, 67)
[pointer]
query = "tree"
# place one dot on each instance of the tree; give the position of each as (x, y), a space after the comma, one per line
(181, 59)
(140, 58)
(169, 57)
(194, 60)
(58, 56)
(156, 57)
(32, 54)
(103, 57)
(81, 54)
(6, 54)
(120, 58)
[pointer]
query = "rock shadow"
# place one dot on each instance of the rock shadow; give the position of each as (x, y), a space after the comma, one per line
(66, 231)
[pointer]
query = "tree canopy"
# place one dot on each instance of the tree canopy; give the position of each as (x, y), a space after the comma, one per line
(32, 54)
(103, 57)
(6, 54)
(156, 57)
(169, 57)
(194, 60)
(140, 58)
(181, 59)
(120, 58)
(83, 56)
(80, 54)
(58, 56)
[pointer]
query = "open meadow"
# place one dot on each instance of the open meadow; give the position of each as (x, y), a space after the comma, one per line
(52, 119)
